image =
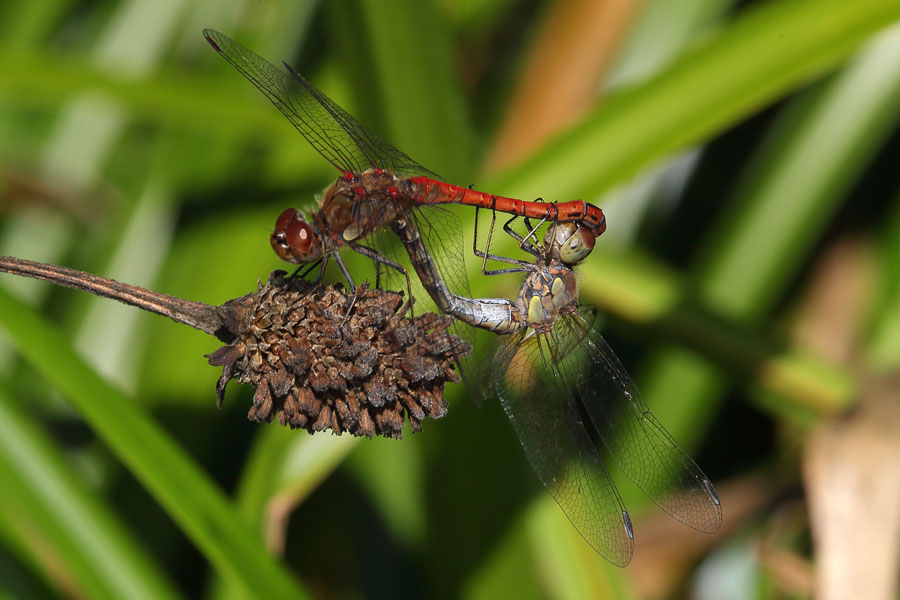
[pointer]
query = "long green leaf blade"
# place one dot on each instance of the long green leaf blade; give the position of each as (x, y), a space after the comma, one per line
(185, 491)
(762, 55)
(98, 550)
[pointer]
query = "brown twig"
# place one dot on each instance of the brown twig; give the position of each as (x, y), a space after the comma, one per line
(318, 358)
(196, 314)
(570, 55)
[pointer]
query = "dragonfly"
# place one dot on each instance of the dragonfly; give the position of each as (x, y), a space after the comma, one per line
(551, 364)
(379, 185)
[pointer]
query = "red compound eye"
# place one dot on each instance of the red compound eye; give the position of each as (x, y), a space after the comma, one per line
(281, 248)
(298, 237)
(303, 243)
(577, 246)
(587, 237)
(284, 219)
(294, 240)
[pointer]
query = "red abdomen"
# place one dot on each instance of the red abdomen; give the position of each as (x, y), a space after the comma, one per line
(432, 191)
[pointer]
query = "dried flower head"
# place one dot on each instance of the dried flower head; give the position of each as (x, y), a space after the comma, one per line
(316, 367)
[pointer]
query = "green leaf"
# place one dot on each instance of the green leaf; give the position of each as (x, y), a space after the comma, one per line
(816, 150)
(96, 549)
(283, 468)
(884, 343)
(177, 483)
(766, 52)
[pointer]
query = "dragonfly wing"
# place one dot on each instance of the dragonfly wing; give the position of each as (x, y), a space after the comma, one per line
(535, 392)
(637, 441)
(442, 237)
(442, 234)
(333, 132)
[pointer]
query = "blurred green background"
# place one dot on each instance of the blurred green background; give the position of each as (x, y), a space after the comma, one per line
(745, 154)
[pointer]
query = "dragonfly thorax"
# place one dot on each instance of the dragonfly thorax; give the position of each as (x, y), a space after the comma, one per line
(548, 290)
(358, 203)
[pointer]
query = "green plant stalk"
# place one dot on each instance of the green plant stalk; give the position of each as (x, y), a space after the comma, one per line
(424, 115)
(167, 99)
(765, 53)
(278, 466)
(28, 568)
(570, 566)
(96, 548)
(27, 24)
(185, 491)
(644, 293)
(883, 347)
(816, 150)
(35, 539)
(394, 476)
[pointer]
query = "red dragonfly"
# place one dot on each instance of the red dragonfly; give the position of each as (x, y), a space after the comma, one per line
(551, 363)
(379, 186)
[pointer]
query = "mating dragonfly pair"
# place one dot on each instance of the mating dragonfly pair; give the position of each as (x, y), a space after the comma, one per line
(552, 359)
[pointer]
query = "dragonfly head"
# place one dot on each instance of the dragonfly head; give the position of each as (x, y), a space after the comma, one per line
(569, 242)
(294, 240)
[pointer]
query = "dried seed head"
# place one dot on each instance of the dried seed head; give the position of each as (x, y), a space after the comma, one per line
(314, 367)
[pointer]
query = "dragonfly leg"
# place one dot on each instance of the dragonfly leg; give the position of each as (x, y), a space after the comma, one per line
(487, 246)
(512, 232)
(321, 263)
(350, 282)
(524, 244)
(532, 230)
(485, 255)
(382, 260)
(377, 275)
(307, 268)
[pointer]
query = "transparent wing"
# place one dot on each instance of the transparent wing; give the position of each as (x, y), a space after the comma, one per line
(534, 386)
(442, 237)
(350, 147)
(635, 438)
(334, 133)
(442, 233)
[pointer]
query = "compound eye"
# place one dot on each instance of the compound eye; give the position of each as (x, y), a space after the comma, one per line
(286, 217)
(300, 239)
(279, 245)
(293, 239)
(587, 238)
(576, 248)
